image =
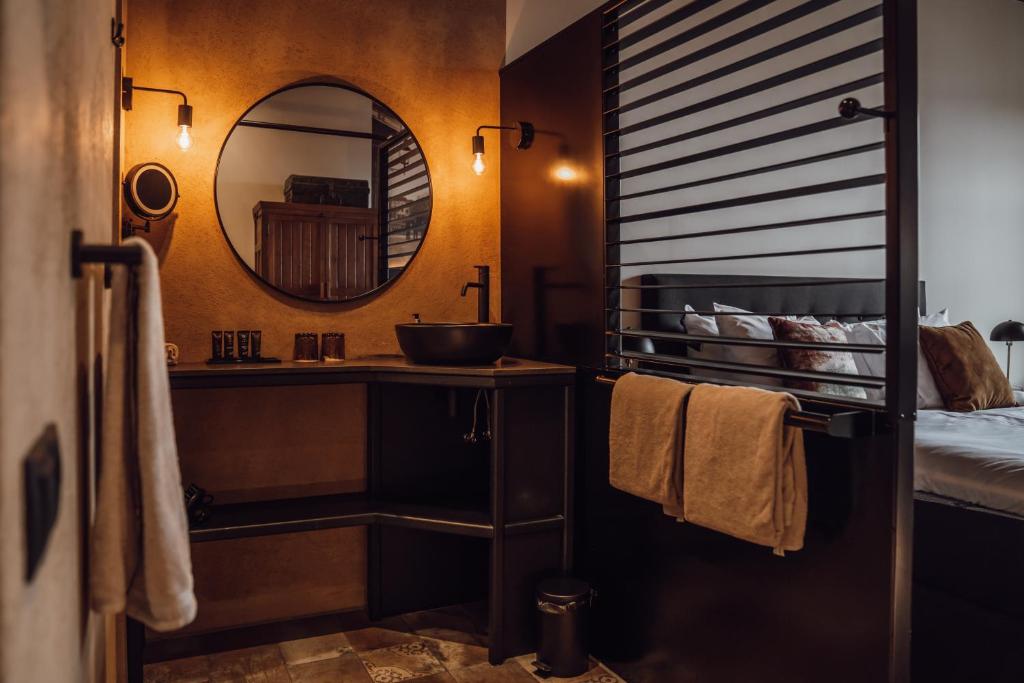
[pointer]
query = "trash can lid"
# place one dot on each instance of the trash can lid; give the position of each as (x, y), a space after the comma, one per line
(563, 590)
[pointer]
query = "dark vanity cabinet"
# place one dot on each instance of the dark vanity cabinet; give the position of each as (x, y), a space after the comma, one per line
(454, 514)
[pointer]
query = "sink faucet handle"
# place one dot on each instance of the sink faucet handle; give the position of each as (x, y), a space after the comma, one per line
(416, 318)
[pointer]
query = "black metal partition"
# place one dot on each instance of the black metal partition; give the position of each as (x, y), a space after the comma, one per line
(718, 118)
(726, 154)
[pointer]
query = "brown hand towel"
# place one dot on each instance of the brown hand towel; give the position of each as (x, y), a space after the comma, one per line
(646, 439)
(744, 472)
(140, 556)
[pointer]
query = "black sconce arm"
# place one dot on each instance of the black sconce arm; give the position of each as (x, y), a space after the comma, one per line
(526, 133)
(128, 87)
(184, 97)
(480, 128)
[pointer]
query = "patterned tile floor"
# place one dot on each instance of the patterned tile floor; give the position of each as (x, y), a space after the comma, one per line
(439, 646)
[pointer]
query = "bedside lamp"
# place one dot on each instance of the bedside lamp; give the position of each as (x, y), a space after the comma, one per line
(1009, 332)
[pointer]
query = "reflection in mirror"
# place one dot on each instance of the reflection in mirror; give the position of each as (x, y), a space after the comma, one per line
(323, 192)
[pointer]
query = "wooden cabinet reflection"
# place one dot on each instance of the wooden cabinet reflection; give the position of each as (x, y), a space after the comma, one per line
(316, 251)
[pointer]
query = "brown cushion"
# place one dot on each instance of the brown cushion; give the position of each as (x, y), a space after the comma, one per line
(813, 359)
(965, 369)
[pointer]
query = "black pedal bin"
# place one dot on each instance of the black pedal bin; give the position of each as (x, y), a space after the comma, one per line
(564, 606)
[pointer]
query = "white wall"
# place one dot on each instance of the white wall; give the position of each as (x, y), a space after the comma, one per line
(528, 23)
(971, 88)
(972, 156)
(56, 172)
(816, 234)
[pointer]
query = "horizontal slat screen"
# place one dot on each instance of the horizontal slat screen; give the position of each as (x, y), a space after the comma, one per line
(407, 184)
(725, 155)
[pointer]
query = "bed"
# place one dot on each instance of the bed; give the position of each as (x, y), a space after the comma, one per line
(972, 459)
(967, 460)
(968, 599)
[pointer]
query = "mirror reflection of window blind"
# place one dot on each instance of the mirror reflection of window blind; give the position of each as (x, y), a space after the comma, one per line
(407, 202)
(725, 153)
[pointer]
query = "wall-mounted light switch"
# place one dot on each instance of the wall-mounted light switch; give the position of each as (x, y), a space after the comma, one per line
(42, 496)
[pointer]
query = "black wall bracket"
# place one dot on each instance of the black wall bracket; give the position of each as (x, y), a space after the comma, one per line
(850, 108)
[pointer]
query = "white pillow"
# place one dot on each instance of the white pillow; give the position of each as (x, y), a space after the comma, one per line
(869, 332)
(751, 327)
(874, 332)
(928, 395)
(748, 327)
(705, 325)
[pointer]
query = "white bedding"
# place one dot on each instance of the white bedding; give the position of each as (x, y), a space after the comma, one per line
(974, 457)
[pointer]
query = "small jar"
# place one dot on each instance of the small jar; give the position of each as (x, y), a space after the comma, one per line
(306, 347)
(332, 347)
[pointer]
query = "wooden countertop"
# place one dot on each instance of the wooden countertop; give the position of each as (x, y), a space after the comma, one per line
(389, 368)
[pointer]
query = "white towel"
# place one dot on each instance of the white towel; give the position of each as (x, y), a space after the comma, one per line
(140, 558)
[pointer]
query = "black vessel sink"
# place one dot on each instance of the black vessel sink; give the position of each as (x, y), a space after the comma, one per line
(454, 343)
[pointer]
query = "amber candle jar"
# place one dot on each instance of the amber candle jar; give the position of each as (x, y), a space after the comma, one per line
(332, 347)
(306, 347)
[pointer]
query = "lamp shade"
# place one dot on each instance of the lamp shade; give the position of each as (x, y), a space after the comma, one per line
(1009, 331)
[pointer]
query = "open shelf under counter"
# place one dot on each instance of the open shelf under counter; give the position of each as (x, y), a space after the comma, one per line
(392, 369)
(268, 517)
(263, 518)
(469, 480)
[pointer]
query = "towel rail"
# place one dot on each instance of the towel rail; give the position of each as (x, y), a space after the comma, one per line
(99, 253)
(845, 424)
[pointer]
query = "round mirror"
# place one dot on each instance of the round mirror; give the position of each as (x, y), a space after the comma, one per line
(323, 192)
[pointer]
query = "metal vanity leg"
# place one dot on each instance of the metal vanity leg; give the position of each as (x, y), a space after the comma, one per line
(496, 595)
(135, 643)
(373, 472)
(569, 482)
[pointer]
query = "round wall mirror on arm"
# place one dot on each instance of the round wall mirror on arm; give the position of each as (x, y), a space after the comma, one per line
(323, 192)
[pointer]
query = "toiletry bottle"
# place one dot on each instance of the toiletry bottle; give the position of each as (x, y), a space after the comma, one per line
(217, 343)
(243, 344)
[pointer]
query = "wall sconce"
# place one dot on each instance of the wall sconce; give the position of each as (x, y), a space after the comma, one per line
(184, 138)
(526, 133)
(565, 173)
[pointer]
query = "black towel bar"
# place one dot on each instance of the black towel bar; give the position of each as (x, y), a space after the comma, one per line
(846, 424)
(99, 253)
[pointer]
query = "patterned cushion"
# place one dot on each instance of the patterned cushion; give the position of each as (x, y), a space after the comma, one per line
(816, 360)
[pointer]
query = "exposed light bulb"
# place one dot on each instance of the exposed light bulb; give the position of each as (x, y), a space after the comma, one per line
(184, 138)
(478, 163)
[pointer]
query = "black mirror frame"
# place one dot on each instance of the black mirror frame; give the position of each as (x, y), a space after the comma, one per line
(323, 81)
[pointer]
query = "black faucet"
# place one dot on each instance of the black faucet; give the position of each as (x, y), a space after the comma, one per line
(483, 283)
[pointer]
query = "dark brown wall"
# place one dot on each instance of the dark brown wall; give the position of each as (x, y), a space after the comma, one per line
(676, 602)
(551, 228)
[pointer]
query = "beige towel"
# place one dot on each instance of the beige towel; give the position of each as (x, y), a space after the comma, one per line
(645, 438)
(744, 472)
(140, 559)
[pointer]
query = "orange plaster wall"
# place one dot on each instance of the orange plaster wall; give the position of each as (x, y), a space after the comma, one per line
(434, 62)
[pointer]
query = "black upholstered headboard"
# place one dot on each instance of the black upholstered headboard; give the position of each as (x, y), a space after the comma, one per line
(847, 300)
